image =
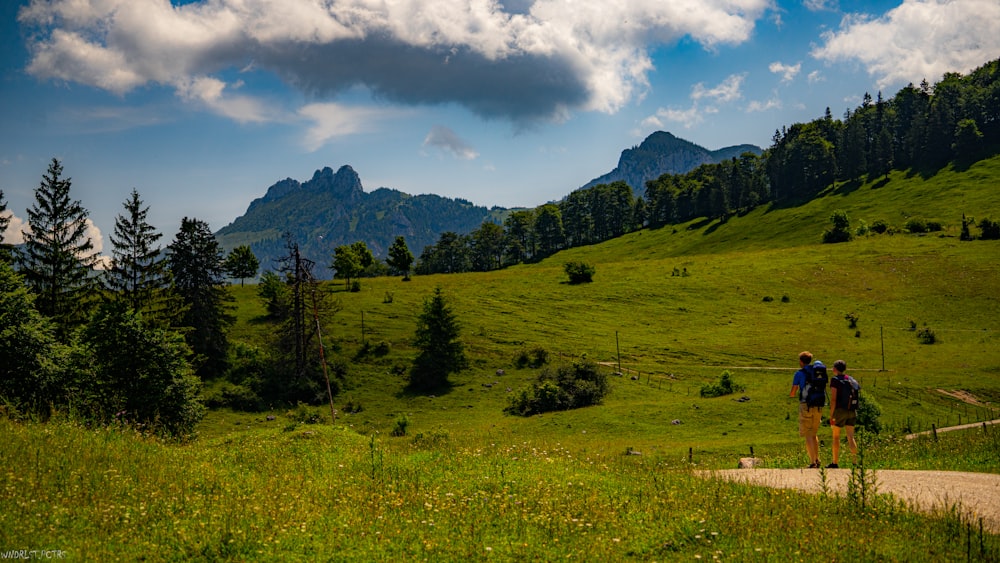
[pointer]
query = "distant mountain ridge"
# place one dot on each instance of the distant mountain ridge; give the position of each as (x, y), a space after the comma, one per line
(332, 209)
(663, 153)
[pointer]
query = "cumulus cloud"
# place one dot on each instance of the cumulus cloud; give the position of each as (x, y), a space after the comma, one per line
(787, 72)
(916, 40)
(519, 60)
(445, 139)
(18, 226)
(820, 5)
(13, 233)
(726, 91)
(759, 106)
(815, 76)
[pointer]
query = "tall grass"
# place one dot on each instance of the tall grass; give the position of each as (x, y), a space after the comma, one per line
(322, 492)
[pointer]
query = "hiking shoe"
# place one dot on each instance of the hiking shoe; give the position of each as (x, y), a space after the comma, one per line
(814, 465)
(833, 466)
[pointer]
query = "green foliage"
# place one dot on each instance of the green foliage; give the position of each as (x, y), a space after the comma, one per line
(6, 249)
(880, 226)
(133, 373)
(582, 384)
(138, 274)
(926, 336)
(579, 272)
(402, 423)
(241, 263)
(58, 257)
(915, 225)
(725, 386)
(989, 229)
(195, 261)
(869, 413)
(441, 352)
(841, 230)
(400, 258)
(33, 370)
(275, 293)
(533, 358)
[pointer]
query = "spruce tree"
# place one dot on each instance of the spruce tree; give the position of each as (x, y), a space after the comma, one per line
(441, 353)
(195, 262)
(138, 275)
(58, 257)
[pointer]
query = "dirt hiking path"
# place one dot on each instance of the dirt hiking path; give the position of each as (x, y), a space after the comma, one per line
(975, 495)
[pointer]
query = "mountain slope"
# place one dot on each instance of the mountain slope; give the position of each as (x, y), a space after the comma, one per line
(663, 153)
(332, 209)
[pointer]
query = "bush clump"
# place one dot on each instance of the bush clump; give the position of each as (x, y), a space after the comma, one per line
(568, 387)
(725, 386)
(579, 272)
(534, 358)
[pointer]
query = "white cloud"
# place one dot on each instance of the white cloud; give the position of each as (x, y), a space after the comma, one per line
(330, 120)
(758, 106)
(820, 5)
(916, 40)
(444, 138)
(815, 76)
(13, 233)
(787, 72)
(726, 91)
(587, 55)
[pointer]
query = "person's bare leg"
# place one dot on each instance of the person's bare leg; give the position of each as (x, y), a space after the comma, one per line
(812, 448)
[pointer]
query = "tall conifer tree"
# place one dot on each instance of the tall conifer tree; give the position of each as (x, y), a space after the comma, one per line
(58, 256)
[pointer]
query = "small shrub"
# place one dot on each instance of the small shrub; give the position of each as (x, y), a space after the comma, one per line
(785, 298)
(352, 408)
(915, 225)
(934, 227)
(926, 336)
(869, 412)
(989, 229)
(402, 423)
(841, 230)
(862, 230)
(389, 296)
(431, 439)
(879, 226)
(534, 358)
(569, 387)
(579, 272)
(303, 413)
(767, 299)
(355, 286)
(725, 386)
(852, 319)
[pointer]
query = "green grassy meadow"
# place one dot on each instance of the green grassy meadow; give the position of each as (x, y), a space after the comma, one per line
(468, 482)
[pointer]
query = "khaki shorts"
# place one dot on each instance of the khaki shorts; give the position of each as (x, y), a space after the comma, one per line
(809, 419)
(844, 417)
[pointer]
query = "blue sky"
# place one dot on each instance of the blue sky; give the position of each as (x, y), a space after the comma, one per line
(201, 105)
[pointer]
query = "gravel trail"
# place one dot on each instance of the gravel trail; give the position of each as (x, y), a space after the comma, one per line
(976, 495)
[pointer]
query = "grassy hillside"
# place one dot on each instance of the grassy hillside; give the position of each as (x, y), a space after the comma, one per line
(759, 289)
(468, 482)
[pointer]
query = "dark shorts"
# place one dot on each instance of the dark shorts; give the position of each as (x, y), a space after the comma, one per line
(844, 417)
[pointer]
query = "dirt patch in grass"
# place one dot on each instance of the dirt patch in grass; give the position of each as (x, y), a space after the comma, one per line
(963, 396)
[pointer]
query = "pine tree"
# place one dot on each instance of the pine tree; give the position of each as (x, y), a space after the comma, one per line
(195, 261)
(57, 258)
(441, 353)
(138, 275)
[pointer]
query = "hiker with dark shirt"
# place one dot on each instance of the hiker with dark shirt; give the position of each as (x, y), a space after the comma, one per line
(810, 414)
(843, 410)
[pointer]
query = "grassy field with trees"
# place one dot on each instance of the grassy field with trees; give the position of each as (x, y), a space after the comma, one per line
(447, 474)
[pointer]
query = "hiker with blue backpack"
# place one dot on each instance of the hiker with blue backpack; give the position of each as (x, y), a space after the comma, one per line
(809, 384)
(844, 392)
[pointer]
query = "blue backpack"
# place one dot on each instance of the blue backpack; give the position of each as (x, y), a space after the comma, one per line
(816, 382)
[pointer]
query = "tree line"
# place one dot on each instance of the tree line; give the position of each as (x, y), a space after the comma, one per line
(129, 342)
(921, 128)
